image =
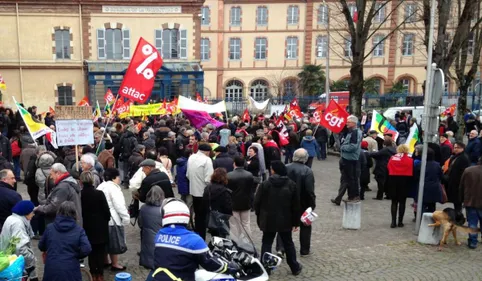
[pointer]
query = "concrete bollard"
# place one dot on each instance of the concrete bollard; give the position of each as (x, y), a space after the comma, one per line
(429, 234)
(352, 215)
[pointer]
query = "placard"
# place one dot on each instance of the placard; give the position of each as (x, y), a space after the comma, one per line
(70, 112)
(74, 132)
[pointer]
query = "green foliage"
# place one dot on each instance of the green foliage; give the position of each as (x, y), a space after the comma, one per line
(312, 79)
(397, 88)
(340, 85)
(370, 86)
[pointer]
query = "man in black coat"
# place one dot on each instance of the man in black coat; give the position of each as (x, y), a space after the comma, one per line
(8, 196)
(241, 183)
(136, 158)
(5, 147)
(457, 165)
(126, 146)
(277, 207)
(321, 136)
(223, 160)
(154, 177)
(303, 176)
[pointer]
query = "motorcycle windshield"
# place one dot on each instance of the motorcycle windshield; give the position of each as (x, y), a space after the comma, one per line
(239, 236)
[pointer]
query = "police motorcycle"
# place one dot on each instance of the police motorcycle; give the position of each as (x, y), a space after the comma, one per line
(239, 249)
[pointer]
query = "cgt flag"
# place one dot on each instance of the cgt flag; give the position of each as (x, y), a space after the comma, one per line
(246, 116)
(334, 117)
(139, 78)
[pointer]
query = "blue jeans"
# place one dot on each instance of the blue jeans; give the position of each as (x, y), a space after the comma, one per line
(322, 152)
(16, 167)
(289, 154)
(474, 217)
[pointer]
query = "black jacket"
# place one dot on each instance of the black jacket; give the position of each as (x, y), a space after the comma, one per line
(252, 165)
(303, 176)
(96, 215)
(135, 159)
(8, 199)
(321, 134)
(445, 153)
(241, 184)
(223, 160)
(29, 179)
(5, 148)
(218, 197)
(156, 177)
(381, 165)
(126, 145)
(457, 165)
(149, 143)
(277, 205)
(365, 169)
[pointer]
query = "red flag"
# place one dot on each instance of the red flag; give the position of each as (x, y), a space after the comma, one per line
(84, 102)
(294, 105)
(294, 110)
(334, 118)
(118, 104)
(282, 133)
(139, 78)
(109, 97)
(355, 17)
(316, 119)
(246, 116)
(125, 107)
(198, 97)
(51, 110)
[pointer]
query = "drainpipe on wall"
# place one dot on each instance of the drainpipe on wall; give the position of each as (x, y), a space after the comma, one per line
(19, 55)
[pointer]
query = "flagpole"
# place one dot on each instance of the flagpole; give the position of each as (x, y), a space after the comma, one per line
(28, 129)
(106, 125)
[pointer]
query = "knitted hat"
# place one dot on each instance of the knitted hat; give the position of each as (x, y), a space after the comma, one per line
(364, 144)
(23, 208)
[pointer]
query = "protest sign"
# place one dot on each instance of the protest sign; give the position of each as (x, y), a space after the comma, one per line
(74, 132)
(70, 112)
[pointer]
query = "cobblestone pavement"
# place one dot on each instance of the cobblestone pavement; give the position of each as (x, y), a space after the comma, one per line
(375, 252)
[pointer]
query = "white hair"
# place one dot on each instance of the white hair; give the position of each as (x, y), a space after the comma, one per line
(300, 155)
(352, 118)
(59, 167)
(88, 159)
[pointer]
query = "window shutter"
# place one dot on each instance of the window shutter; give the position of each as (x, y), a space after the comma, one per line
(101, 43)
(209, 49)
(126, 44)
(297, 48)
(158, 40)
(183, 43)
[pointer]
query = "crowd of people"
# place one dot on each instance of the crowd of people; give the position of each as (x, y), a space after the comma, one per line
(77, 207)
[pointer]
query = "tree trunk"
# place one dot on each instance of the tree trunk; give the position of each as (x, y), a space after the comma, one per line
(461, 107)
(356, 86)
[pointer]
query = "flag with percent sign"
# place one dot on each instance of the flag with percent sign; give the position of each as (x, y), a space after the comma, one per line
(139, 78)
(334, 117)
(109, 97)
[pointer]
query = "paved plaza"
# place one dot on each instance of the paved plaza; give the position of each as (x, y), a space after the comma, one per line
(375, 252)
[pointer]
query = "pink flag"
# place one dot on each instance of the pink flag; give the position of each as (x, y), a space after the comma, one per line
(200, 118)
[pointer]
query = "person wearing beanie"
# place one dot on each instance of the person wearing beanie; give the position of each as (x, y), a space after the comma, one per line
(277, 206)
(18, 226)
(366, 162)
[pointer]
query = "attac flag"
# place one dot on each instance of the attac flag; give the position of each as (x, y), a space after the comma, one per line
(383, 126)
(246, 116)
(334, 117)
(84, 102)
(139, 78)
(3, 86)
(109, 97)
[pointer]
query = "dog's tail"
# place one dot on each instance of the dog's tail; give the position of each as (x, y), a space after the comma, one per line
(469, 230)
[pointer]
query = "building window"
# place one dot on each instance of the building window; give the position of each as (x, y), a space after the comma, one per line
(113, 43)
(470, 44)
(406, 85)
(234, 90)
(206, 16)
(321, 46)
(407, 48)
(410, 13)
(353, 9)
(292, 47)
(323, 14)
(293, 15)
(377, 85)
(260, 45)
(262, 15)
(171, 43)
(65, 95)
(259, 90)
(289, 87)
(62, 44)
(205, 49)
(234, 49)
(380, 12)
(347, 50)
(236, 16)
(378, 45)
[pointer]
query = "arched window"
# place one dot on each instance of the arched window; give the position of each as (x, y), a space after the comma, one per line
(407, 83)
(290, 87)
(234, 90)
(259, 90)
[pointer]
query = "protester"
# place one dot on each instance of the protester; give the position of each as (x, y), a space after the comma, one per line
(217, 197)
(154, 177)
(166, 162)
(119, 216)
(241, 184)
(271, 151)
(17, 226)
(382, 157)
(458, 162)
(8, 196)
(96, 216)
(126, 146)
(303, 176)
(432, 192)
(223, 159)
(136, 158)
(473, 147)
(471, 194)
(311, 146)
(446, 148)
(277, 206)
(64, 243)
(87, 163)
(365, 169)
(321, 136)
(106, 157)
(150, 221)
(42, 179)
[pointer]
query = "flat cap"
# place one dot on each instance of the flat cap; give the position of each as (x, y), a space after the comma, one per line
(148, 163)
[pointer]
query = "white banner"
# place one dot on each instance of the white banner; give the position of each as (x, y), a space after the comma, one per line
(74, 132)
(257, 107)
(185, 103)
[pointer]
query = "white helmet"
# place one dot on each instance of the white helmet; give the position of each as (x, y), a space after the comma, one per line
(174, 211)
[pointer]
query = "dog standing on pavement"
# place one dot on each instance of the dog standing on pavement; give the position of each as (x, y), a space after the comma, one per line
(450, 222)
